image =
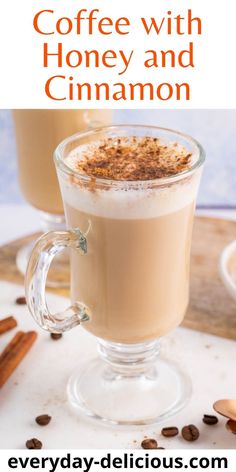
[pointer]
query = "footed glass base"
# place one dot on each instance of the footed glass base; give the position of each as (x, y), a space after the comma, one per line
(129, 385)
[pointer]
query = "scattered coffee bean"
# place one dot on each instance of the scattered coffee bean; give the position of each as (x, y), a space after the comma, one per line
(149, 444)
(231, 426)
(43, 420)
(56, 336)
(170, 432)
(210, 419)
(21, 301)
(33, 444)
(190, 433)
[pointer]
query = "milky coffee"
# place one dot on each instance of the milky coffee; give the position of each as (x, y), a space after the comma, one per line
(38, 132)
(135, 275)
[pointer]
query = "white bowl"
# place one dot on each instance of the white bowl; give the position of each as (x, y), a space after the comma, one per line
(227, 258)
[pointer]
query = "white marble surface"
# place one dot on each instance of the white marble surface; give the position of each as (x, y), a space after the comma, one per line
(38, 386)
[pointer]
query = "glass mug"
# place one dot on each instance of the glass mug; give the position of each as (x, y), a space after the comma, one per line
(130, 252)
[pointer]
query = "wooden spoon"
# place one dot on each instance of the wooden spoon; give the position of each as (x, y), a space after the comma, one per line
(226, 408)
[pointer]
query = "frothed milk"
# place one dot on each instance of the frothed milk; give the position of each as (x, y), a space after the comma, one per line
(135, 275)
(37, 134)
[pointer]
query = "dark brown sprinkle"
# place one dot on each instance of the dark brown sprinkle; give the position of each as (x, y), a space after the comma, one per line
(21, 301)
(43, 420)
(56, 336)
(149, 444)
(33, 444)
(170, 432)
(231, 426)
(210, 419)
(127, 159)
(190, 433)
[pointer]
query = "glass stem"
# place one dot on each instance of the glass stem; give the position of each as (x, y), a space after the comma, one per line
(128, 359)
(50, 222)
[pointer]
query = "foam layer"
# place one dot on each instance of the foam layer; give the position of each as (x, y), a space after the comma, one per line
(130, 204)
(126, 202)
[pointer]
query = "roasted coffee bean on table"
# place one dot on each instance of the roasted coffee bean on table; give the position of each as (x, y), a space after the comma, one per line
(21, 301)
(190, 432)
(170, 431)
(210, 419)
(33, 444)
(43, 420)
(149, 443)
(56, 336)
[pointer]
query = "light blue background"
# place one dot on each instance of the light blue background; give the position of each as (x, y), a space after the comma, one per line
(215, 129)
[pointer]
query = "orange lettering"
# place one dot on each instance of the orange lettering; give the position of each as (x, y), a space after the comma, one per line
(36, 19)
(48, 86)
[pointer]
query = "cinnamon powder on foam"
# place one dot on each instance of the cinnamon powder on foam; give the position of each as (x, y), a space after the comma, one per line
(129, 159)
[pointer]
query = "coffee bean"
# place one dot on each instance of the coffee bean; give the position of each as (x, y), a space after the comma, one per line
(33, 444)
(170, 432)
(190, 433)
(149, 444)
(21, 301)
(56, 336)
(231, 426)
(210, 419)
(43, 420)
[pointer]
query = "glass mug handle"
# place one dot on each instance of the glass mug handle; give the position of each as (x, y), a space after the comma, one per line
(45, 249)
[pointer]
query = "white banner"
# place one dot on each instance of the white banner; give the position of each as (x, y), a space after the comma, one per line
(97, 460)
(117, 54)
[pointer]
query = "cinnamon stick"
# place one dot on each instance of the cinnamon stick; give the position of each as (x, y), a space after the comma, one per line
(7, 323)
(14, 353)
(19, 335)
